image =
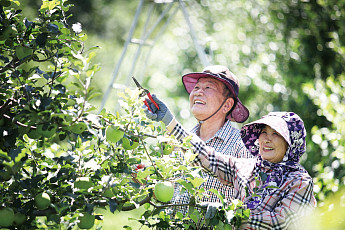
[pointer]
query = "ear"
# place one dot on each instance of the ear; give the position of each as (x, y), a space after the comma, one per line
(228, 105)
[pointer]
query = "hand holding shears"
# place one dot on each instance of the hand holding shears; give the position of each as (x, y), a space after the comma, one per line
(161, 113)
(144, 93)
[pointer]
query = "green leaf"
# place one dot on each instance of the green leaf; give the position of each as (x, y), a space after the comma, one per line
(188, 186)
(129, 144)
(41, 39)
(113, 134)
(194, 216)
(48, 5)
(219, 195)
(143, 174)
(167, 149)
(23, 52)
(246, 213)
(197, 181)
(220, 226)
(5, 3)
(78, 128)
(112, 205)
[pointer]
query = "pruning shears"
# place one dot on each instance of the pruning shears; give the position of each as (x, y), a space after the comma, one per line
(144, 93)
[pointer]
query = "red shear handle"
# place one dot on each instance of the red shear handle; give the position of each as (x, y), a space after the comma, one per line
(153, 101)
(147, 105)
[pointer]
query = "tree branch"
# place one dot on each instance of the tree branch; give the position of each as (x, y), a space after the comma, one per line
(11, 102)
(19, 123)
(102, 203)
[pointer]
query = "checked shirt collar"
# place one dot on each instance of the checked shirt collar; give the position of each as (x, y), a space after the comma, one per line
(222, 133)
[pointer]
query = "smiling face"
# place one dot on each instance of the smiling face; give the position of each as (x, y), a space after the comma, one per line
(206, 97)
(272, 145)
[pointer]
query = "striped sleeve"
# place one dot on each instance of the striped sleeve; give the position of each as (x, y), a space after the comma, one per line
(229, 170)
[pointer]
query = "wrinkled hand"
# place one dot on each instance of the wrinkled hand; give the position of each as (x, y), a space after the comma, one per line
(212, 208)
(161, 114)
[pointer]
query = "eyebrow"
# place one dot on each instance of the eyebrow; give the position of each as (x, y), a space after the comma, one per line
(208, 81)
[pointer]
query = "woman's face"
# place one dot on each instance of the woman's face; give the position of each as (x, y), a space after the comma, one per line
(272, 145)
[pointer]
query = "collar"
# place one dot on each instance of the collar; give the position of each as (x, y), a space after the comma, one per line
(222, 133)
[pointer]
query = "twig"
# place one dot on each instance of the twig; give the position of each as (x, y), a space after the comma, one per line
(102, 203)
(147, 153)
(127, 132)
(174, 205)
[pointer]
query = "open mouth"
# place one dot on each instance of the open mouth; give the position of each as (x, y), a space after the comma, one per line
(267, 148)
(199, 102)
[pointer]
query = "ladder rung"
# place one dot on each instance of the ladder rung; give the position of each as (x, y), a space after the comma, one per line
(141, 42)
(163, 1)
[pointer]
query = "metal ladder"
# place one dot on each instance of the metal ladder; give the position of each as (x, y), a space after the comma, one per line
(144, 40)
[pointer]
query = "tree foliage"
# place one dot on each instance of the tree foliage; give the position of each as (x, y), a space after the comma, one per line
(60, 161)
(313, 36)
(290, 56)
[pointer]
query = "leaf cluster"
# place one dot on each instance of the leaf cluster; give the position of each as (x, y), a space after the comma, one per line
(53, 142)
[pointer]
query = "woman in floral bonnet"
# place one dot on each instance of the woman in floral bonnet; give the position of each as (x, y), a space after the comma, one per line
(273, 185)
(286, 189)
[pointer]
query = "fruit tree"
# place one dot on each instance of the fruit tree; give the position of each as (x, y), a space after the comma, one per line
(60, 161)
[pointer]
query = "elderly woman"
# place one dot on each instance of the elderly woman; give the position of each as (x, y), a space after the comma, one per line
(273, 185)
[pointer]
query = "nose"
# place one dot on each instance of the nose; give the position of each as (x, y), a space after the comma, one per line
(266, 138)
(197, 92)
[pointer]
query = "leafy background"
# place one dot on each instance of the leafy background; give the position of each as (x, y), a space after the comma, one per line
(288, 55)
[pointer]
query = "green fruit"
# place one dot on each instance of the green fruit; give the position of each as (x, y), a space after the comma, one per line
(42, 200)
(164, 191)
(113, 134)
(19, 218)
(83, 183)
(86, 221)
(78, 128)
(6, 217)
(126, 144)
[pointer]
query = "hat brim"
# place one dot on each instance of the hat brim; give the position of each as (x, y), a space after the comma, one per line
(239, 114)
(189, 81)
(276, 123)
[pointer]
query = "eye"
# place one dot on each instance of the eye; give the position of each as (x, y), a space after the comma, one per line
(276, 133)
(209, 86)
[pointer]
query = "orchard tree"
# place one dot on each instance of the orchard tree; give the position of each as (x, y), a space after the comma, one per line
(60, 161)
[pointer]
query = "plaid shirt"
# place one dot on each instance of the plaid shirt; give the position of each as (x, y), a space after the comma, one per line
(226, 141)
(284, 205)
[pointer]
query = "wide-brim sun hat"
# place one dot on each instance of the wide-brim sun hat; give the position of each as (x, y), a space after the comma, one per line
(239, 113)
